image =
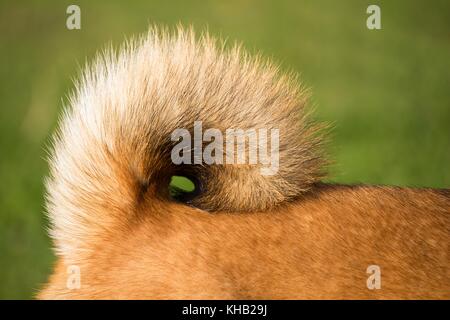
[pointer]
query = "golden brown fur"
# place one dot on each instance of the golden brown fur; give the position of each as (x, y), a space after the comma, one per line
(245, 235)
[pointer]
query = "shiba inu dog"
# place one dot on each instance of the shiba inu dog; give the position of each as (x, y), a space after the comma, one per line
(241, 234)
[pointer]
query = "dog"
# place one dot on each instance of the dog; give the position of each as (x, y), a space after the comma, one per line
(120, 233)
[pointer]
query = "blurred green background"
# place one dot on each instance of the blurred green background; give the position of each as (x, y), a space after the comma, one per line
(385, 91)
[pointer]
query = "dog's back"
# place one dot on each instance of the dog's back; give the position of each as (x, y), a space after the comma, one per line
(243, 234)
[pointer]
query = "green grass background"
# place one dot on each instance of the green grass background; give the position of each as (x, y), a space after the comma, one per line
(386, 92)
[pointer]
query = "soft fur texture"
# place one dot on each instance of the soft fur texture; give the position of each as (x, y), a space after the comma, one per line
(244, 235)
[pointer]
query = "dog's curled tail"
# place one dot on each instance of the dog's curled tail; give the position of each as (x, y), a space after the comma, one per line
(115, 145)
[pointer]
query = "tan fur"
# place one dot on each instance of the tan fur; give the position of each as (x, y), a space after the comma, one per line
(245, 235)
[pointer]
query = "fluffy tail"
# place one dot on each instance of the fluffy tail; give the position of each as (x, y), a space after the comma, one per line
(115, 145)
